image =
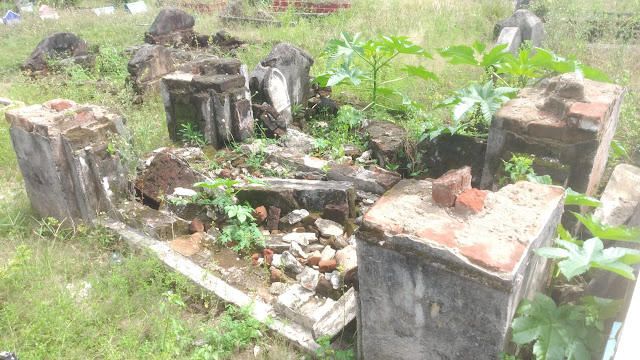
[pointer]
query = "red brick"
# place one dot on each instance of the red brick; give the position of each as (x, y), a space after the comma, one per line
(587, 116)
(260, 213)
(58, 104)
(254, 259)
(337, 213)
(273, 218)
(547, 129)
(471, 200)
(276, 276)
(328, 266)
(268, 256)
(196, 226)
(589, 110)
(447, 187)
(314, 259)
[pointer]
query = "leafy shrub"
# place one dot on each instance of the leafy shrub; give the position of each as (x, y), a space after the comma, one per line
(375, 55)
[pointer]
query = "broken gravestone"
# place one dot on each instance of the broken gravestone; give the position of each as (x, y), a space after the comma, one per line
(62, 151)
(569, 122)
(172, 27)
(212, 97)
(512, 36)
(59, 47)
(147, 66)
(294, 64)
(529, 24)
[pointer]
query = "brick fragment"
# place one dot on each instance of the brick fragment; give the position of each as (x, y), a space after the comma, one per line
(447, 187)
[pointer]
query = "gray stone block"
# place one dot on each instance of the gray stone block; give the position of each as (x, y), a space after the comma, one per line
(621, 196)
(292, 194)
(530, 25)
(511, 36)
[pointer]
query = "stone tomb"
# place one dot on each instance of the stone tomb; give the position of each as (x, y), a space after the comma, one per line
(567, 124)
(213, 96)
(444, 282)
(62, 153)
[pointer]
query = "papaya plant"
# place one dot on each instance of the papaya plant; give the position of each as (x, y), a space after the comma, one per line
(375, 55)
(529, 63)
(576, 331)
(482, 100)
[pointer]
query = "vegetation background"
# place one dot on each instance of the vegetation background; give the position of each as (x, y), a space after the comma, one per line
(135, 308)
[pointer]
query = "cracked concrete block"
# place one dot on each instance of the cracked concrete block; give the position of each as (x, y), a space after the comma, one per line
(292, 194)
(212, 96)
(444, 285)
(338, 317)
(61, 148)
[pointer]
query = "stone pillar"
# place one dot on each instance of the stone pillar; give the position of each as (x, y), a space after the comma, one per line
(62, 152)
(444, 282)
(567, 125)
(213, 96)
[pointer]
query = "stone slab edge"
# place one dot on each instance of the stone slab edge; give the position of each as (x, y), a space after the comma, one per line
(300, 337)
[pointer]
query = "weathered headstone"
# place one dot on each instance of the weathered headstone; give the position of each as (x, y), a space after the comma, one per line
(137, 7)
(24, 7)
(11, 18)
(436, 283)
(276, 94)
(172, 26)
(56, 47)
(294, 63)
(569, 122)
(530, 26)
(62, 153)
(147, 66)
(104, 10)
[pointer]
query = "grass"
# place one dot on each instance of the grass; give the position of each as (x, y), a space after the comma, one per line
(129, 312)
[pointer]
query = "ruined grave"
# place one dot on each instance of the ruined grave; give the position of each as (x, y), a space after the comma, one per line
(63, 155)
(211, 96)
(63, 49)
(444, 281)
(567, 124)
(171, 27)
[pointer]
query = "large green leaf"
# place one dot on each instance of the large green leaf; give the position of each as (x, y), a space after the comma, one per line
(346, 47)
(460, 54)
(340, 75)
(578, 259)
(576, 198)
(605, 231)
(420, 72)
(559, 332)
(401, 45)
